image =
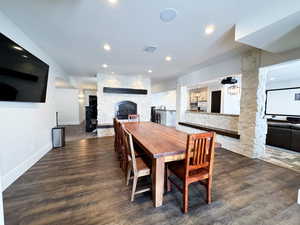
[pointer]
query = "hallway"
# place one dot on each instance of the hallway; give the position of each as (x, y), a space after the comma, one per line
(77, 132)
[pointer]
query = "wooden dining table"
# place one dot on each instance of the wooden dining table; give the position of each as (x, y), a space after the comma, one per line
(163, 144)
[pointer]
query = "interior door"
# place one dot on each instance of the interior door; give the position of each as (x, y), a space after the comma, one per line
(216, 101)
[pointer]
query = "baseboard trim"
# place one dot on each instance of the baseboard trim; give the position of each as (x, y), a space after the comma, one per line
(18, 171)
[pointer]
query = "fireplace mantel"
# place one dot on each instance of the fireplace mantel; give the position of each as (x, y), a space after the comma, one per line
(125, 91)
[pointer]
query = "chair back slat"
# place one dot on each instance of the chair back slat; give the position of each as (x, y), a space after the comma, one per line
(130, 149)
(200, 152)
(116, 134)
(121, 137)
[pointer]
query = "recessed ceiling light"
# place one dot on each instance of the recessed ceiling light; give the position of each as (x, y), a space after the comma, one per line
(167, 15)
(149, 71)
(107, 47)
(112, 72)
(104, 65)
(113, 1)
(209, 29)
(18, 48)
(168, 58)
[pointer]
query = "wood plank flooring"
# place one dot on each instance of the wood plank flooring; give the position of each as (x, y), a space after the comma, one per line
(82, 184)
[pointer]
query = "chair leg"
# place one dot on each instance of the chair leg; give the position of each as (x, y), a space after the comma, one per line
(185, 197)
(128, 174)
(208, 187)
(135, 178)
(168, 182)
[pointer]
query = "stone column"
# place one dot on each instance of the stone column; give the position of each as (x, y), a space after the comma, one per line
(252, 124)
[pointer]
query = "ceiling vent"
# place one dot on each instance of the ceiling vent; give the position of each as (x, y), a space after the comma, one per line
(150, 49)
(167, 15)
(229, 80)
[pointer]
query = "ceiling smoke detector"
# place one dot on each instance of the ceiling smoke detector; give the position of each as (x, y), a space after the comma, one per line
(168, 15)
(150, 49)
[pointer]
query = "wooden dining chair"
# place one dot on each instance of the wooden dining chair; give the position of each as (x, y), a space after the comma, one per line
(136, 165)
(123, 151)
(115, 121)
(197, 165)
(120, 147)
(134, 118)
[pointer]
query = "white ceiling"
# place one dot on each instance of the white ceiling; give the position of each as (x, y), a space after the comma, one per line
(73, 32)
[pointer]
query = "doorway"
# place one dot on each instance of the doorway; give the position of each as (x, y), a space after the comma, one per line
(216, 101)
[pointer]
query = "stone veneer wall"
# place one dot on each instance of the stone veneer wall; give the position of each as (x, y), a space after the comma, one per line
(228, 122)
(228, 143)
(252, 124)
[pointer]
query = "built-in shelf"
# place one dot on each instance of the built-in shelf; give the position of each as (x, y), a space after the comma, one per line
(227, 133)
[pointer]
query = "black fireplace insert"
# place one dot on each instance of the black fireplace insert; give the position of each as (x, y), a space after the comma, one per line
(125, 108)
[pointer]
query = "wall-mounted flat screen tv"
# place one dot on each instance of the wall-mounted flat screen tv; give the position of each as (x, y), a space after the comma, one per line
(283, 102)
(23, 77)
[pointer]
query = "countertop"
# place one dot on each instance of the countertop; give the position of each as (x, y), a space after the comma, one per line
(214, 114)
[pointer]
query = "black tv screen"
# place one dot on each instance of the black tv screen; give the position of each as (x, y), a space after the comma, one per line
(23, 77)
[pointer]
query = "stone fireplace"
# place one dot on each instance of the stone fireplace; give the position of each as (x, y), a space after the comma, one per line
(120, 104)
(125, 108)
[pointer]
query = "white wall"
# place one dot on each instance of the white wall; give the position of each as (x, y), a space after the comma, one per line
(230, 66)
(283, 84)
(81, 102)
(166, 98)
(107, 101)
(1, 207)
(25, 127)
(68, 106)
(231, 103)
(165, 85)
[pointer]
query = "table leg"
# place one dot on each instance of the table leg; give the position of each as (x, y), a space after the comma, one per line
(158, 178)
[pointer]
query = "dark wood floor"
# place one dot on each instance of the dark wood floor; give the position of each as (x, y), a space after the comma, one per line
(83, 185)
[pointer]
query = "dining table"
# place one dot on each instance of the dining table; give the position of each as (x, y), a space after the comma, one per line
(163, 144)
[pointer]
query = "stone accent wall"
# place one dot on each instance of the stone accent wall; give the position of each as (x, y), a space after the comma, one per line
(228, 122)
(252, 125)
